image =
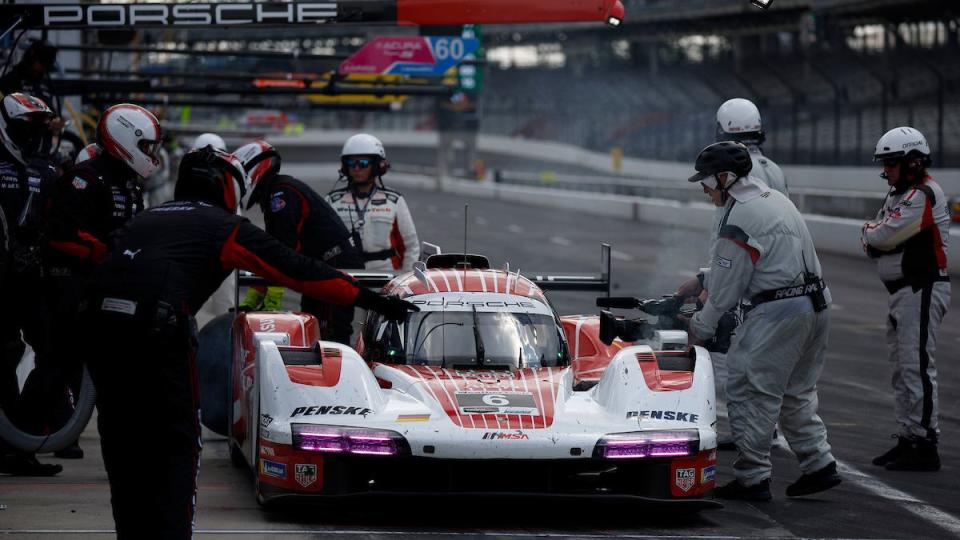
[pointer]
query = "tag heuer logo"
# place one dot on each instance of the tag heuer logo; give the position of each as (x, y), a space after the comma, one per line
(685, 478)
(305, 474)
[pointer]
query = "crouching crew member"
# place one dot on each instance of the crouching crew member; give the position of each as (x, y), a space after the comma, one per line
(167, 262)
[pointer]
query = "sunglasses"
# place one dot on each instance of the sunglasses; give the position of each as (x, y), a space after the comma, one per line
(890, 162)
(362, 163)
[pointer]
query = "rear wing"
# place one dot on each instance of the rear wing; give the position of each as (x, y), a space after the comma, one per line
(547, 282)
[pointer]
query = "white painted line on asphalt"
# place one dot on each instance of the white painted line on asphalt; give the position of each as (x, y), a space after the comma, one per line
(620, 256)
(908, 502)
(560, 241)
(686, 273)
(516, 229)
(531, 534)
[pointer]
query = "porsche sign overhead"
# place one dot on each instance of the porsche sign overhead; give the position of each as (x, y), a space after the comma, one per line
(399, 12)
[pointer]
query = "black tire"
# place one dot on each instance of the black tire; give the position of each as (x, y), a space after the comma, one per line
(63, 437)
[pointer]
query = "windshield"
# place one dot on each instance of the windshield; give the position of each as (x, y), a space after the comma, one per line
(492, 339)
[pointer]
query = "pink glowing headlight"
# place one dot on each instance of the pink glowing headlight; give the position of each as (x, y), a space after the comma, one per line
(648, 444)
(347, 440)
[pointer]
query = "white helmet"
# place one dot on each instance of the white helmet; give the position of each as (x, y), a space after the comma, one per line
(23, 124)
(260, 160)
(88, 152)
(363, 144)
(899, 142)
(209, 139)
(738, 120)
(131, 134)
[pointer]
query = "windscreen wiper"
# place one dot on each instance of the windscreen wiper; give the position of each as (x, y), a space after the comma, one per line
(478, 341)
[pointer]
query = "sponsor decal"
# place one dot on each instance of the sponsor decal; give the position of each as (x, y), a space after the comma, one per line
(505, 436)
(499, 403)
(679, 416)
(273, 468)
(685, 478)
(277, 204)
(896, 213)
(268, 325)
(461, 303)
(330, 409)
(724, 263)
(305, 474)
(413, 418)
(265, 420)
(799, 290)
(266, 451)
(707, 474)
(79, 183)
(174, 14)
(131, 254)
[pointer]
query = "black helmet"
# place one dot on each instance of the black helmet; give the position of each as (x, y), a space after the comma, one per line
(726, 156)
(211, 176)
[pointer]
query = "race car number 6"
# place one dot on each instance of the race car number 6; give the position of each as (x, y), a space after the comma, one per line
(495, 400)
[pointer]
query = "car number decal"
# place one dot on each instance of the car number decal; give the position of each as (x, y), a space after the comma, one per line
(497, 403)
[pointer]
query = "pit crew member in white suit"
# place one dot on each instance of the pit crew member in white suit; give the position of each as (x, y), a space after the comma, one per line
(376, 216)
(764, 253)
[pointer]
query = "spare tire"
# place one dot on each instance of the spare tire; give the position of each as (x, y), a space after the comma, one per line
(214, 355)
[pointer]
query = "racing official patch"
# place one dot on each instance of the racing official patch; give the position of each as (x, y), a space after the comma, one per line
(79, 183)
(724, 263)
(305, 474)
(685, 478)
(277, 204)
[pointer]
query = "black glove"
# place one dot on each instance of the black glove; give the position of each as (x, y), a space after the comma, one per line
(391, 307)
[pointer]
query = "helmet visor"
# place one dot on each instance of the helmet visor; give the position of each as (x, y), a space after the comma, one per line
(149, 148)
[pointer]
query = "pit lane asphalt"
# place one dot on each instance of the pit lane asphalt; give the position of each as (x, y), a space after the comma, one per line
(855, 403)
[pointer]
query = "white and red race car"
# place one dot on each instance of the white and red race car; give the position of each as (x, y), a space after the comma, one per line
(486, 390)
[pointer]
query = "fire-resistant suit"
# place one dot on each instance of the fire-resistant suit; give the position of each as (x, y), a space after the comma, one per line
(908, 239)
(85, 206)
(302, 220)
(23, 189)
(140, 339)
(770, 173)
(381, 227)
(764, 253)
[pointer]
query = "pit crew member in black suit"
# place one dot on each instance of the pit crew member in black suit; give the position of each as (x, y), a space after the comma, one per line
(140, 335)
(302, 220)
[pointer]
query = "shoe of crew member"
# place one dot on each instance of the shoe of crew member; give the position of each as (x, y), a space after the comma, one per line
(815, 482)
(71, 452)
(893, 453)
(759, 492)
(919, 454)
(21, 464)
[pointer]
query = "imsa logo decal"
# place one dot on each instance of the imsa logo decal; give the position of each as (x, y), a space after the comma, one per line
(685, 478)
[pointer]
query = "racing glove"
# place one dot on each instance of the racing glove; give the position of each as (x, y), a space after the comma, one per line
(273, 300)
(391, 307)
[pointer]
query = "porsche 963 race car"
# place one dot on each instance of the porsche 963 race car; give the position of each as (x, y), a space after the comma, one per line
(485, 390)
